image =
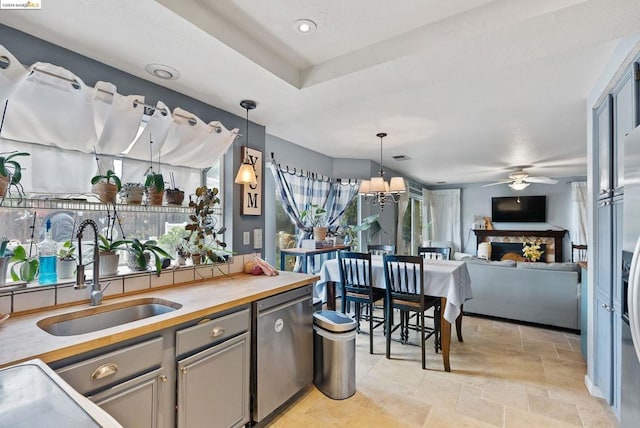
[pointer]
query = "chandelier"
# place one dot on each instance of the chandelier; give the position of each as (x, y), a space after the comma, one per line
(377, 190)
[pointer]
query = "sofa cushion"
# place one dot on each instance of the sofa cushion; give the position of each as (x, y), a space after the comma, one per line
(477, 261)
(570, 267)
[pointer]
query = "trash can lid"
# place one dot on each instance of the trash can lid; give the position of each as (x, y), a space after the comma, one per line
(333, 321)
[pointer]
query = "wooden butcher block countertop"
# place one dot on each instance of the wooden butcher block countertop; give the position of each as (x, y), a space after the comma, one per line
(21, 339)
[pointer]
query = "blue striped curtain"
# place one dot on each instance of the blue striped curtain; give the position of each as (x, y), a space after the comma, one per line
(298, 191)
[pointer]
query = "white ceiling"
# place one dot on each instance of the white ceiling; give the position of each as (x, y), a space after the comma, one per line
(465, 88)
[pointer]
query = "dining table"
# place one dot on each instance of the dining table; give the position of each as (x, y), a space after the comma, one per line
(447, 279)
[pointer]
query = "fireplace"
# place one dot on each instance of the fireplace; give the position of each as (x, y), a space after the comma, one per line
(499, 249)
(552, 240)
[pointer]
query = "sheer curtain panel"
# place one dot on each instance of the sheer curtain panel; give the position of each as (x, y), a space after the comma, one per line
(579, 212)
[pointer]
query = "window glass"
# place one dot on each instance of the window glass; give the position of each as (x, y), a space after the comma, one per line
(285, 234)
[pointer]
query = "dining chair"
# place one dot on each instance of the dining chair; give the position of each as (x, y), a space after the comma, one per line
(355, 280)
(435, 253)
(381, 250)
(578, 252)
(404, 286)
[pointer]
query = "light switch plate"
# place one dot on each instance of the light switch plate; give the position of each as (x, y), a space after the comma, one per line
(246, 238)
(257, 239)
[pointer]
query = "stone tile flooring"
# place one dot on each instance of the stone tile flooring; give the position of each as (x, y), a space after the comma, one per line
(503, 375)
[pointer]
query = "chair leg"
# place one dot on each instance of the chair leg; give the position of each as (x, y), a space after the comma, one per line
(422, 341)
(371, 329)
(459, 325)
(436, 325)
(388, 323)
(358, 306)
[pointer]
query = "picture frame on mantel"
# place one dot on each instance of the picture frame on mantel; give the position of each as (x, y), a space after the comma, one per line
(252, 193)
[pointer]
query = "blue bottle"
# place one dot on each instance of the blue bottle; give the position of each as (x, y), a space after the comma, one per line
(47, 250)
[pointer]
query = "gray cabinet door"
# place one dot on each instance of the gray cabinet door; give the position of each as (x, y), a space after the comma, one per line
(603, 149)
(213, 386)
(135, 403)
(603, 315)
(623, 113)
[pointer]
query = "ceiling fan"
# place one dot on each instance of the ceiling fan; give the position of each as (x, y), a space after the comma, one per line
(520, 180)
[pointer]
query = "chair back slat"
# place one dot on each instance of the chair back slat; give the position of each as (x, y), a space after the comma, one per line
(578, 252)
(435, 253)
(381, 250)
(355, 270)
(404, 276)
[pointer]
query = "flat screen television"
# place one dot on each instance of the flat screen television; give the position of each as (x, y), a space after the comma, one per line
(528, 209)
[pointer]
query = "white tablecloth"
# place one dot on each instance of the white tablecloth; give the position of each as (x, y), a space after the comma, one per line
(444, 278)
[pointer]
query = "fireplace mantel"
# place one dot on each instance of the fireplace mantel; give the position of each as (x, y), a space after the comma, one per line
(484, 235)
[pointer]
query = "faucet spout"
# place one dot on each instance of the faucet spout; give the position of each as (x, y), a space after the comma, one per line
(96, 292)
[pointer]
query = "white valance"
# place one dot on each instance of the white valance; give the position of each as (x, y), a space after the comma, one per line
(51, 106)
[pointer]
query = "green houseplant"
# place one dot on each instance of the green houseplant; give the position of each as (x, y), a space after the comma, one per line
(139, 255)
(27, 265)
(203, 233)
(316, 217)
(66, 261)
(106, 186)
(109, 258)
(10, 172)
(155, 188)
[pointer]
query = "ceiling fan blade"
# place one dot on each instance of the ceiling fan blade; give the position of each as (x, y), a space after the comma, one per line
(497, 182)
(541, 180)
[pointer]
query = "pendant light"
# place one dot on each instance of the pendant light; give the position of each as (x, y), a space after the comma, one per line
(246, 174)
(377, 190)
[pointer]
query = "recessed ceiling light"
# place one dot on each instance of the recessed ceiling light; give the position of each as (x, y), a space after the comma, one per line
(305, 26)
(162, 71)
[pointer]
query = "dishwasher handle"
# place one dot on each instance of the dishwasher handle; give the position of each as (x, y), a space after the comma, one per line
(285, 305)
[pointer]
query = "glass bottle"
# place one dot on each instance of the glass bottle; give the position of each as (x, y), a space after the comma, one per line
(47, 250)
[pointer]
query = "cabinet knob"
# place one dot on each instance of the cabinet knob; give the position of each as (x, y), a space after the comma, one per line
(163, 378)
(607, 307)
(183, 370)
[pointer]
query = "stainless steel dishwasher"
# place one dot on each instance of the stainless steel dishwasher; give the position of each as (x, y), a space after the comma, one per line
(283, 349)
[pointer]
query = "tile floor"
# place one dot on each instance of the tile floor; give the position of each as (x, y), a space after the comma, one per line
(503, 375)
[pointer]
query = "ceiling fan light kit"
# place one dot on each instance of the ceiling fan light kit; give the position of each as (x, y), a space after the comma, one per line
(520, 180)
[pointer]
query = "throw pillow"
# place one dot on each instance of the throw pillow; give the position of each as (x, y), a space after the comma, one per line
(513, 256)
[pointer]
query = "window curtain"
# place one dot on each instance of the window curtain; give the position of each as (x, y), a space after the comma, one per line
(298, 191)
(441, 214)
(579, 212)
(403, 204)
(11, 77)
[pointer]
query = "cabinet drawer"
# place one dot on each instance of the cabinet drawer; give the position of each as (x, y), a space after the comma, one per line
(212, 330)
(104, 370)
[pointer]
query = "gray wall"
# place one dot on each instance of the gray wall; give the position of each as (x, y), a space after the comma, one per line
(28, 50)
(476, 201)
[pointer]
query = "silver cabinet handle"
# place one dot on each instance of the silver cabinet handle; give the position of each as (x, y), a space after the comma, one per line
(217, 331)
(104, 370)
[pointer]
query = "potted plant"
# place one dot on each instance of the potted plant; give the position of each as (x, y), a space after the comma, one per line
(27, 265)
(155, 188)
(10, 172)
(203, 232)
(66, 261)
(316, 218)
(132, 193)
(106, 186)
(109, 258)
(174, 195)
(4, 260)
(350, 232)
(139, 255)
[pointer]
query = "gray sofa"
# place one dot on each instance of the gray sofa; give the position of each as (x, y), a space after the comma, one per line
(540, 293)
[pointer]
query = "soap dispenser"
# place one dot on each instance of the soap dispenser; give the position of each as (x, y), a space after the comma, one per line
(47, 250)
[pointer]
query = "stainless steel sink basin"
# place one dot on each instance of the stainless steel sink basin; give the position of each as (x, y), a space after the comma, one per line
(105, 316)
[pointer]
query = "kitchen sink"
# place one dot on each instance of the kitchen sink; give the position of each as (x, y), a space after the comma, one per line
(105, 316)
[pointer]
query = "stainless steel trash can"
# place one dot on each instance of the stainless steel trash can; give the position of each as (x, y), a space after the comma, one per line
(334, 354)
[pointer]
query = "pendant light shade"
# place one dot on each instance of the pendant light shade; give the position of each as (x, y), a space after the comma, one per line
(246, 174)
(377, 190)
